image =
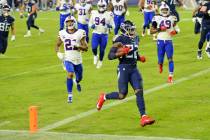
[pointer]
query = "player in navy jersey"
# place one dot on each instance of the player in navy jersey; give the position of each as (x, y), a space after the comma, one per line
(30, 7)
(125, 48)
(6, 21)
(204, 13)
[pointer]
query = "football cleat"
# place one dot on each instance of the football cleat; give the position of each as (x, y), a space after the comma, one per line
(99, 65)
(208, 52)
(199, 55)
(101, 101)
(160, 68)
(143, 34)
(148, 32)
(70, 97)
(95, 60)
(146, 120)
(41, 31)
(170, 79)
(78, 85)
(28, 34)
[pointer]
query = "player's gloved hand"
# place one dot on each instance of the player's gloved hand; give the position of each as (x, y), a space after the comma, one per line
(142, 59)
(163, 28)
(57, 8)
(126, 50)
(109, 26)
(13, 38)
(60, 56)
(93, 26)
(172, 33)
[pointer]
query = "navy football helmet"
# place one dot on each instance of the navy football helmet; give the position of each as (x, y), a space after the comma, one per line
(128, 28)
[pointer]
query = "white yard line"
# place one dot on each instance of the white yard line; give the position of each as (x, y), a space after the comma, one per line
(4, 123)
(92, 111)
(21, 134)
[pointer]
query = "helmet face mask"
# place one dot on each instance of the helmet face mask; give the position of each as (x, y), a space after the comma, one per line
(102, 7)
(6, 10)
(128, 29)
(70, 23)
(164, 10)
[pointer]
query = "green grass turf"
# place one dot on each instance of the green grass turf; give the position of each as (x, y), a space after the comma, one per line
(31, 74)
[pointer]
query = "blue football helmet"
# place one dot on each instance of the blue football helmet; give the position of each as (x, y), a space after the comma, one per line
(128, 28)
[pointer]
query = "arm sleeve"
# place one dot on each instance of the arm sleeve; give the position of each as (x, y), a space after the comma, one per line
(112, 52)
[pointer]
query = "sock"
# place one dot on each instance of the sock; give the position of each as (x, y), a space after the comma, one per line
(140, 102)
(94, 51)
(69, 84)
(101, 56)
(112, 95)
(70, 97)
(171, 66)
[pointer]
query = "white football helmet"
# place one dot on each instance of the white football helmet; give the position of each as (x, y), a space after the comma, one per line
(72, 24)
(102, 6)
(6, 10)
(164, 9)
(82, 2)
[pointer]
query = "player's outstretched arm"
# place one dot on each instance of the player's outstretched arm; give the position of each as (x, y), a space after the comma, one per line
(13, 31)
(58, 44)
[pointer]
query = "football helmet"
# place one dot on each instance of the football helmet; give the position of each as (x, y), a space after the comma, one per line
(164, 9)
(102, 6)
(82, 2)
(128, 28)
(6, 10)
(70, 22)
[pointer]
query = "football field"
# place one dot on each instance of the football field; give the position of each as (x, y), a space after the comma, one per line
(31, 74)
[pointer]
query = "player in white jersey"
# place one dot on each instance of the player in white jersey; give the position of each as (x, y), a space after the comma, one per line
(66, 9)
(2, 3)
(83, 9)
(119, 10)
(149, 7)
(165, 25)
(74, 42)
(100, 21)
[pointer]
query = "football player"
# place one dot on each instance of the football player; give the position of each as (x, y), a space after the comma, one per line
(100, 21)
(149, 7)
(66, 8)
(83, 9)
(74, 42)
(2, 3)
(30, 7)
(204, 13)
(125, 48)
(6, 21)
(165, 25)
(119, 10)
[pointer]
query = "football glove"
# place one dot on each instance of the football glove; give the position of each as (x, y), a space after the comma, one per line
(163, 28)
(93, 26)
(142, 59)
(60, 56)
(13, 38)
(172, 33)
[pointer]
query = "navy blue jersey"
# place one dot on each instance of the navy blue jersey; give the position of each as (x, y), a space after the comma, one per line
(171, 4)
(206, 17)
(133, 55)
(5, 23)
(29, 7)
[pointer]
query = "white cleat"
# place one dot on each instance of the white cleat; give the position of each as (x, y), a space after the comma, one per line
(27, 35)
(95, 60)
(99, 65)
(143, 34)
(41, 31)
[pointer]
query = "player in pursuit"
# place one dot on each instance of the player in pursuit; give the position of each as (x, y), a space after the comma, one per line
(165, 25)
(100, 21)
(74, 43)
(125, 48)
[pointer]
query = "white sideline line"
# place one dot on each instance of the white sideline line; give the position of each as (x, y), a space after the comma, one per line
(92, 111)
(76, 136)
(4, 123)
